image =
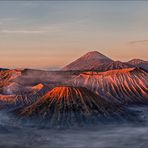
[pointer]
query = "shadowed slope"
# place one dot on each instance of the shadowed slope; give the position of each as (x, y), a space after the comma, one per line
(70, 106)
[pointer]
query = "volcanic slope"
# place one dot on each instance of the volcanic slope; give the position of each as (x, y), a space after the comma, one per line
(123, 86)
(68, 106)
(90, 60)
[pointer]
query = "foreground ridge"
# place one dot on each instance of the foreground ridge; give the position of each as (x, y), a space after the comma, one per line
(70, 106)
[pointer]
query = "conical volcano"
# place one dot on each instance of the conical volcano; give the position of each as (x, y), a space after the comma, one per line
(69, 106)
(90, 60)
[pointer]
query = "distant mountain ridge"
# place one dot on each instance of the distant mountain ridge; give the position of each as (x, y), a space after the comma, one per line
(139, 63)
(112, 66)
(96, 61)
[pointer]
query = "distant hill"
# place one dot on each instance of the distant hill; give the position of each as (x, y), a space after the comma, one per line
(139, 63)
(112, 66)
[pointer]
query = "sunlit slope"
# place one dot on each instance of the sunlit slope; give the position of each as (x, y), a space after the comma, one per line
(125, 85)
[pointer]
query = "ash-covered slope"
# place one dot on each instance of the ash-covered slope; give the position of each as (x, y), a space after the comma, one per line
(90, 60)
(68, 106)
(125, 85)
(139, 63)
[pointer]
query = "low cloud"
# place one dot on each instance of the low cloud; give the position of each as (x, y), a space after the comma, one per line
(23, 31)
(38, 30)
(138, 42)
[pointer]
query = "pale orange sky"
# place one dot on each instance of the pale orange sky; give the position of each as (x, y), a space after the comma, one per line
(52, 34)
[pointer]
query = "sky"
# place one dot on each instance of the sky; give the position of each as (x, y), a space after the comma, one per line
(51, 34)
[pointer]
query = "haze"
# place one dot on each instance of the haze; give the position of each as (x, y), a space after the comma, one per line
(52, 34)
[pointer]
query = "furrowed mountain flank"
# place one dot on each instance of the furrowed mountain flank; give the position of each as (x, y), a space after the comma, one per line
(125, 86)
(68, 106)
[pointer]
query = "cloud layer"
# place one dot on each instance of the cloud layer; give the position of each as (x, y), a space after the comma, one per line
(23, 31)
(139, 42)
